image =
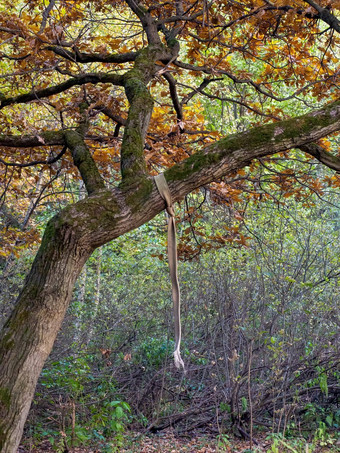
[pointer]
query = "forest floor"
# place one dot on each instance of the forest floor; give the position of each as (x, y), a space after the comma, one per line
(168, 443)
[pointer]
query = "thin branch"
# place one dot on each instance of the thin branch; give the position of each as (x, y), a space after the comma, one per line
(45, 15)
(49, 161)
(257, 86)
(108, 112)
(174, 96)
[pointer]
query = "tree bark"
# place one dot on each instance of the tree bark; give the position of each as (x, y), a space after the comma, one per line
(28, 336)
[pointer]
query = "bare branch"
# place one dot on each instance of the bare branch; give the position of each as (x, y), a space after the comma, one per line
(216, 71)
(45, 15)
(174, 96)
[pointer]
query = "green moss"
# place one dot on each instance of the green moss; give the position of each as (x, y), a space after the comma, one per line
(92, 212)
(137, 195)
(50, 234)
(252, 139)
(50, 229)
(83, 106)
(50, 136)
(132, 151)
(135, 88)
(7, 342)
(172, 43)
(5, 397)
(191, 165)
(5, 401)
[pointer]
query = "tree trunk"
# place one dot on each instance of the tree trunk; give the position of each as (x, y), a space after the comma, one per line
(27, 338)
(29, 333)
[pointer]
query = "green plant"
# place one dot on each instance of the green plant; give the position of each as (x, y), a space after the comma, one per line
(281, 444)
(223, 442)
(322, 436)
(154, 351)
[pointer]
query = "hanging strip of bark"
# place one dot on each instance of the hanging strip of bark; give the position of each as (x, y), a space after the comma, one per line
(164, 191)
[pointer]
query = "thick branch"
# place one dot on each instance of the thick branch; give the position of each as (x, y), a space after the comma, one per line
(322, 155)
(238, 150)
(82, 57)
(35, 95)
(132, 150)
(141, 106)
(47, 138)
(325, 15)
(137, 204)
(147, 21)
(84, 161)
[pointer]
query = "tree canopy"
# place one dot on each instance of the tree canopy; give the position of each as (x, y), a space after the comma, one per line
(108, 94)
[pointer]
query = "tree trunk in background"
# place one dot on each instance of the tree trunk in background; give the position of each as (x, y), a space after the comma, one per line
(81, 304)
(82, 285)
(96, 296)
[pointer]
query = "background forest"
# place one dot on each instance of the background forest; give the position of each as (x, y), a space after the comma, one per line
(238, 104)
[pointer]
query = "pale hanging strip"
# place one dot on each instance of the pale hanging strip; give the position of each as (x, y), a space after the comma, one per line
(163, 189)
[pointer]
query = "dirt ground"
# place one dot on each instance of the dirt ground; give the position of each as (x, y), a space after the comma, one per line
(168, 443)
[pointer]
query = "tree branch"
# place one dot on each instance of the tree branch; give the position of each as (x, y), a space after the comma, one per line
(174, 96)
(36, 95)
(257, 86)
(133, 164)
(46, 138)
(48, 161)
(82, 157)
(238, 150)
(147, 21)
(45, 15)
(108, 112)
(325, 15)
(82, 57)
(322, 155)
(132, 151)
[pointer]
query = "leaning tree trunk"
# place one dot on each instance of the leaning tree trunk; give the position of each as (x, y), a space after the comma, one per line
(70, 238)
(29, 334)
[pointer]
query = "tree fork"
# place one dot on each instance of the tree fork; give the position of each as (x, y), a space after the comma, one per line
(133, 166)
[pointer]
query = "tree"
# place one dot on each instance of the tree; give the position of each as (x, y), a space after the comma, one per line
(71, 70)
